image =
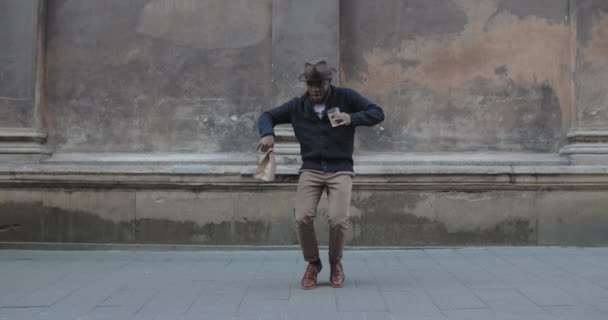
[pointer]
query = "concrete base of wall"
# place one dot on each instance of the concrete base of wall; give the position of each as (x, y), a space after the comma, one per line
(379, 218)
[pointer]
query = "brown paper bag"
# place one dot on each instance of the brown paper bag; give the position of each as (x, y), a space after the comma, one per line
(267, 167)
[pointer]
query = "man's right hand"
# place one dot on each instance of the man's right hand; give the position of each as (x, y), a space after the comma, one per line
(266, 143)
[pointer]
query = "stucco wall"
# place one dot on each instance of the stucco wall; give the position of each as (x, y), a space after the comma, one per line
(192, 76)
(461, 75)
(157, 76)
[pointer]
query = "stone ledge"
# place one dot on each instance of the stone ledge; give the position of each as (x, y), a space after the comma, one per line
(582, 148)
(15, 142)
(588, 136)
(469, 158)
(584, 143)
(442, 172)
(22, 134)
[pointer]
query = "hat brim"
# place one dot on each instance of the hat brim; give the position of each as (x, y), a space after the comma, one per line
(302, 77)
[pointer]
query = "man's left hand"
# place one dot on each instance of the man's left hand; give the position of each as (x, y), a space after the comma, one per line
(343, 119)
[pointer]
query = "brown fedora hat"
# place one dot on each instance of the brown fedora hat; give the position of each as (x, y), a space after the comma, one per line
(317, 70)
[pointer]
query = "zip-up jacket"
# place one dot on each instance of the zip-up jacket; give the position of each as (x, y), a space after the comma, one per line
(323, 147)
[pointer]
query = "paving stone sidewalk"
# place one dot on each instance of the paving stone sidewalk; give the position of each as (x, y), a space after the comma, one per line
(422, 284)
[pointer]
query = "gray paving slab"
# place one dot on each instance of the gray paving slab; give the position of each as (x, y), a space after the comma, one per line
(600, 304)
(549, 295)
(115, 312)
(19, 313)
(578, 312)
(267, 308)
(469, 314)
(452, 298)
(510, 303)
(468, 283)
(171, 302)
(307, 303)
(413, 303)
(360, 300)
(434, 277)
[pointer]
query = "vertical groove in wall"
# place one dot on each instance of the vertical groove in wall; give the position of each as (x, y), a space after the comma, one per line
(339, 46)
(271, 96)
(572, 19)
(135, 222)
(39, 91)
(235, 199)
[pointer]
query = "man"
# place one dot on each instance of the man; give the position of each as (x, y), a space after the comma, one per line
(327, 155)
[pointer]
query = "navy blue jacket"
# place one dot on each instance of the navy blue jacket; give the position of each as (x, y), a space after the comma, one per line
(323, 147)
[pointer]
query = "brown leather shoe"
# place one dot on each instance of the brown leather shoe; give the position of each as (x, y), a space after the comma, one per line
(336, 277)
(309, 280)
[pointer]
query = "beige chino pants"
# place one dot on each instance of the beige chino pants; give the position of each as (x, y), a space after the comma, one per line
(311, 185)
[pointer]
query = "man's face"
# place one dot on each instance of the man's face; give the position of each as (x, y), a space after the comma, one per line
(317, 90)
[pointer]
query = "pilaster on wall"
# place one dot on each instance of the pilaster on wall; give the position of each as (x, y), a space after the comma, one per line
(588, 138)
(22, 84)
(301, 30)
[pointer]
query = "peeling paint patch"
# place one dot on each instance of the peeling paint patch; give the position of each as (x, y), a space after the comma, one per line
(486, 87)
(531, 49)
(394, 21)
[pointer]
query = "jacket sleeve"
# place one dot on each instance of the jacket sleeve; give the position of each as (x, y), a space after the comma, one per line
(275, 116)
(368, 113)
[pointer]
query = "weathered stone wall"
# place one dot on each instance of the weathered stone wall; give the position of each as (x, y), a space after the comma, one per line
(496, 129)
(191, 76)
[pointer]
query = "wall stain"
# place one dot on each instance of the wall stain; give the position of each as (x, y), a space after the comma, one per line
(411, 230)
(40, 223)
(502, 71)
(252, 231)
(9, 227)
(182, 232)
(35, 222)
(555, 11)
(385, 219)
